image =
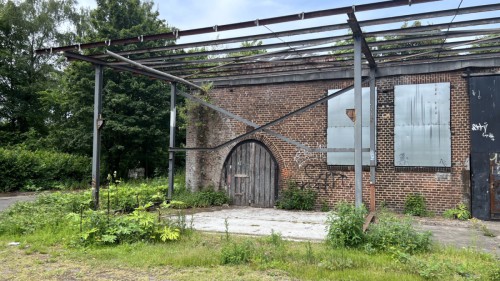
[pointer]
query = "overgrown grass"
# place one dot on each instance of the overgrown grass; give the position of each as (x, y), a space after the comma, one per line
(211, 253)
(47, 228)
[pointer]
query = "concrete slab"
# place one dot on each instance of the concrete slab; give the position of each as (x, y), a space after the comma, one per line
(296, 225)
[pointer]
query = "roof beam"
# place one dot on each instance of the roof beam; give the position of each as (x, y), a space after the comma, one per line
(357, 32)
(282, 19)
(325, 28)
(320, 41)
(152, 70)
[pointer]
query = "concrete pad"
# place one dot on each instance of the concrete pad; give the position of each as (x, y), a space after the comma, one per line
(295, 225)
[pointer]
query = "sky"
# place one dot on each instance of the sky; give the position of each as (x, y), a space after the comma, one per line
(188, 14)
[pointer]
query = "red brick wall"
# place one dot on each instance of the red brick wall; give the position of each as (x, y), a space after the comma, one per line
(264, 103)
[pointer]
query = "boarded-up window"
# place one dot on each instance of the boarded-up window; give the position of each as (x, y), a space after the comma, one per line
(422, 134)
(340, 131)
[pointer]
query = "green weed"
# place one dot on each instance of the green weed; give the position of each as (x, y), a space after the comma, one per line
(415, 205)
(294, 198)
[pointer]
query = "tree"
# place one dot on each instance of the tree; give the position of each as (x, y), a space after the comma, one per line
(24, 27)
(136, 108)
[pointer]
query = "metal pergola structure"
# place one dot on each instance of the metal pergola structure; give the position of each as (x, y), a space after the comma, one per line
(362, 56)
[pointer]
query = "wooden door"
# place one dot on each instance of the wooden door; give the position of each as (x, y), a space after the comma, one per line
(250, 174)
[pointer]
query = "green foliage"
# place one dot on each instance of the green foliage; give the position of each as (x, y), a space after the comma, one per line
(237, 252)
(345, 226)
(24, 27)
(201, 199)
(125, 197)
(397, 234)
(415, 205)
(136, 108)
(324, 206)
(46, 212)
(140, 225)
(254, 45)
(294, 198)
(460, 212)
(40, 170)
(479, 225)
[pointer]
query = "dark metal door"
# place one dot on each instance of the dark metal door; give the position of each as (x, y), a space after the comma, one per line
(250, 174)
(484, 99)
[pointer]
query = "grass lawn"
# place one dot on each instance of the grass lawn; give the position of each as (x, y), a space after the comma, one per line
(61, 239)
(202, 256)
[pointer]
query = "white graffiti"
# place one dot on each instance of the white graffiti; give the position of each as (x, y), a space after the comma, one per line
(483, 128)
(494, 157)
(303, 157)
(478, 94)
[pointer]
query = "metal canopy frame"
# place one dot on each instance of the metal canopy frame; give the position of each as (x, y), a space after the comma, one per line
(322, 57)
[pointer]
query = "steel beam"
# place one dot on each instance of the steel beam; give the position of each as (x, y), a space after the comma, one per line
(96, 143)
(373, 127)
(254, 125)
(356, 31)
(171, 154)
(178, 33)
(318, 41)
(358, 133)
(149, 69)
(325, 28)
(272, 123)
(373, 139)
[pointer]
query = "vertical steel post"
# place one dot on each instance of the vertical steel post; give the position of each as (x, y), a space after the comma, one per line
(171, 154)
(358, 154)
(373, 152)
(96, 144)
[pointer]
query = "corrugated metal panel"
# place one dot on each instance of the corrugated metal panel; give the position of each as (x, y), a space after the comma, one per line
(340, 132)
(422, 135)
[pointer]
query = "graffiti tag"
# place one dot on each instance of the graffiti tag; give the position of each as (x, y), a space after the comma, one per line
(483, 128)
(324, 179)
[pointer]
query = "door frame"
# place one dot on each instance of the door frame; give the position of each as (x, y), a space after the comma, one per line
(262, 144)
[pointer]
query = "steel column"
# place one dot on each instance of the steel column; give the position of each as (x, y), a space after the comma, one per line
(171, 153)
(358, 154)
(96, 145)
(373, 138)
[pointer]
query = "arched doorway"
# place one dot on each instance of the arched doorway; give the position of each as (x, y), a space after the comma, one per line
(250, 174)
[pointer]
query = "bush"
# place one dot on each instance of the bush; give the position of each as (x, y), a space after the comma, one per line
(392, 233)
(47, 211)
(345, 226)
(41, 170)
(294, 198)
(460, 212)
(140, 225)
(415, 205)
(201, 199)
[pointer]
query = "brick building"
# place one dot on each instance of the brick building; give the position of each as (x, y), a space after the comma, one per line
(333, 107)
(444, 185)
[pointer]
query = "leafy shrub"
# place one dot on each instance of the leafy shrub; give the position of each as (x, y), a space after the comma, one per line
(294, 198)
(140, 225)
(392, 233)
(41, 170)
(345, 226)
(126, 197)
(237, 252)
(45, 212)
(203, 198)
(415, 205)
(460, 212)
